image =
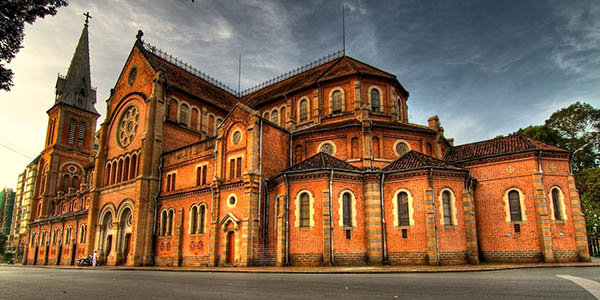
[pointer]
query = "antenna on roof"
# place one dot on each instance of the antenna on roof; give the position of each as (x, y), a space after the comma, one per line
(239, 73)
(344, 27)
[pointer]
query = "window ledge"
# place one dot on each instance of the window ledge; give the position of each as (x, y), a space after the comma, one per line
(450, 227)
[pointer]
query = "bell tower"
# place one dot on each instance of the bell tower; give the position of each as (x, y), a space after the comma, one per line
(68, 152)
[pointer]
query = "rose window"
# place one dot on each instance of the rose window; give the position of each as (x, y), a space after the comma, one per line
(327, 149)
(401, 148)
(128, 126)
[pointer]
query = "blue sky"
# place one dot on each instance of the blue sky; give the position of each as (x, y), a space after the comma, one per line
(485, 67)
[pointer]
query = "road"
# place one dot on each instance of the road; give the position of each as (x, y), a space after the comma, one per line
(17, 282)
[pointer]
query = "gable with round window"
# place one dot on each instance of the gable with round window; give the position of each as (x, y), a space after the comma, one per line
(236, 137)
(401, 147)
(327, 148)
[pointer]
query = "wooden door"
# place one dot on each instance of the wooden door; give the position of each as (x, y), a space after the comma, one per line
(230, 247)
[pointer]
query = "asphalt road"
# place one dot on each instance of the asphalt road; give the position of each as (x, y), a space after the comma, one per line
(18, 282)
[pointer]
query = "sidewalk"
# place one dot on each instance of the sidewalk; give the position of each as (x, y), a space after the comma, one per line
(342, 270)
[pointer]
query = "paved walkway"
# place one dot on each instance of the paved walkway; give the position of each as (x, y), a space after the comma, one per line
(358, 269)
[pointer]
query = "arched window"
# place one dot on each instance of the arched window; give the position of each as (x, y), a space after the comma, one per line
(428, 149)
(81, 135)
(267, 116)
(82, 234)
(304, 210)
(75, 182)
(194, 120)
(304, 114)
(515, 206)
(556, 204)
(336, 102)
(283, 116)
(72, 129)
(170, 223)
(126, 169)
(163, 223)
(107, 174)
(120, 171)
(354, 147)
(66, 183)
(219, 121)
(403, 217)
(113, 176)
(44, 238)
(447, 208)
(193, 220)
(376, 147)
(275, 117)
(201, 218)
(347, 210)
(375, 101)
(172, 110)
(184, 111)
(211, 125)
(133, 171)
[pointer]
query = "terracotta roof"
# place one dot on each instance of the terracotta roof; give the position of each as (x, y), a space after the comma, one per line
(191, 83)
(339, 67)
(497, 146)
(321, 161)
(417, 160)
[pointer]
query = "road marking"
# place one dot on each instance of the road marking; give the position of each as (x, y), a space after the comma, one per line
(591, 286)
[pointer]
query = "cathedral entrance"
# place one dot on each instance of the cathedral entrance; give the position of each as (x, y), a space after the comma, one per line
(105, 241)
(230, 247)
(124, 235)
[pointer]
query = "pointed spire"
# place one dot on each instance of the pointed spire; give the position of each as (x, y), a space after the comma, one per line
(75, 89)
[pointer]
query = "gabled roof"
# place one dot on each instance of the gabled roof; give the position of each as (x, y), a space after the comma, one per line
(339, 67)
(503, 145)
(416, 160)
(321, 161)
(189, 82)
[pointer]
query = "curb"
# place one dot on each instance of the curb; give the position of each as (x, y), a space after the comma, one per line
(320, 270)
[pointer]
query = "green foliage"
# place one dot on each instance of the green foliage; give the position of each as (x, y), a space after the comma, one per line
(577, 129)
(13, 16)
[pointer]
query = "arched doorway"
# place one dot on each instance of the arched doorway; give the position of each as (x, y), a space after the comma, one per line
(230, 247)
(124, 235)
(106, 234)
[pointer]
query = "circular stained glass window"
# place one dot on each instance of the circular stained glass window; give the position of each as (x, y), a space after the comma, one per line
(327, 148)
(232, 200)
(128, 126)
(237, 136)
(401, 148)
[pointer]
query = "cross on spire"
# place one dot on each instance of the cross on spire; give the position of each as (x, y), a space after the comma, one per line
(87, 17)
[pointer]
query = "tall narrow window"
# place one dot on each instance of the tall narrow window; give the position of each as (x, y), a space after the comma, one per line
(66, 183)
(120, 171)
(163, 223)
(173, 181)
(126, 169)
(133, 171)
(168, 189)
(232, 168)
(211, 125)
(515, 206)
(170, 223)
(75, 182)
(194, 220)
(201, 218)
(354, 147)
(184, 114)
(267, 116)
(375, 101)
(303, 110)
(376, 147)
(275, 117)
(556, 204)
(204, 171)
(304, 210)
(238, 170)
(447, 208)
(198, 175)
(403, 218)
(72, 129)
(347, 209)
(81, 135)
(82, 234)
(283, 116)
(336, 102)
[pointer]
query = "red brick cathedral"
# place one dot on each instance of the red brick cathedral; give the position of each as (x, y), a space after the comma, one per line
(319, 166)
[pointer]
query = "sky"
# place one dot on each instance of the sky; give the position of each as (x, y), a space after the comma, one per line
(485, 67)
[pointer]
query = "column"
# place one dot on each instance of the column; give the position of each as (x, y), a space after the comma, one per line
(431, 230)
(541, 216)
(579, 221)
(373, 220)
(470, 227)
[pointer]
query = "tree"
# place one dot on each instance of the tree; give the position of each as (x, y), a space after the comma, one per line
(589, 182)
(579, 125)
(13, 16)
